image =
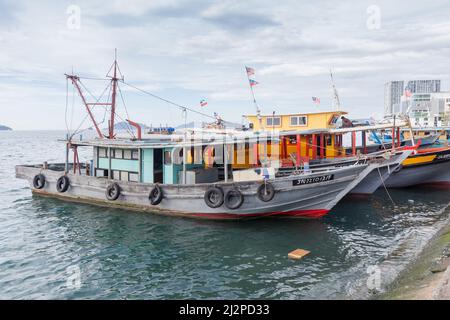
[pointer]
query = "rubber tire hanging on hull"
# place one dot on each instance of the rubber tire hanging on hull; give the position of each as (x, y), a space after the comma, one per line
(238, 199)
(39, 181)
(156, 195)
(214, 197)
(265, 192)
(62, 184)
(113, 192)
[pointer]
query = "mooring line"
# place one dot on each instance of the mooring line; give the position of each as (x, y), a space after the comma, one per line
(385, 188)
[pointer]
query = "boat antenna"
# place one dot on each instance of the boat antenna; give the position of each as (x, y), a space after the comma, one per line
(336, 100)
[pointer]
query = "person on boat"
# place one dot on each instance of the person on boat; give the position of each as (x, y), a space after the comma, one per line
(346, 123)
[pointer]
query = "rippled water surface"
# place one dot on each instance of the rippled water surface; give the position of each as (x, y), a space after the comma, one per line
(129, 255)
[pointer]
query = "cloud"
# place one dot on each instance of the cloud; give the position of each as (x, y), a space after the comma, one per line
(192, 49)
(241, 21)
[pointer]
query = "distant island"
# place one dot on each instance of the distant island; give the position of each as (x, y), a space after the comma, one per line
(4, 128)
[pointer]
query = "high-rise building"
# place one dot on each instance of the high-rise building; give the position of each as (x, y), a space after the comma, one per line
(424, 86)
(395, 101)
(393, 91)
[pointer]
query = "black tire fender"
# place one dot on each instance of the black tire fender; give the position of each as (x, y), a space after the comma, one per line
(233, 199)
(113, 192)
(39, 181)
(62, 184)
(214, 197)
(156, 195)
(265, 192)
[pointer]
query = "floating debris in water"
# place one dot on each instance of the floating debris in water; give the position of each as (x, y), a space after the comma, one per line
(297, 254)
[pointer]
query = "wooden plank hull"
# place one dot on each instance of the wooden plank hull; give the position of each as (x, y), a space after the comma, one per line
(309, 200)
(432, 168)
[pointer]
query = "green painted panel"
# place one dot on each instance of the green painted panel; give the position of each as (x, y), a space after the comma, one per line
(147, 165)
(119, 164)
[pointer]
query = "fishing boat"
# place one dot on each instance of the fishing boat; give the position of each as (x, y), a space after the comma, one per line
(177, 175)
(429, 166)
(320, 144)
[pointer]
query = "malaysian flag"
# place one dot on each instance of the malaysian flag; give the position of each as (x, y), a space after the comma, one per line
(253, 82)
(316, 100)
(250, 71)
(203, 103)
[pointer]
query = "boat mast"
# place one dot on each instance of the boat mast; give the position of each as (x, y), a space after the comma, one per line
(335, 93)
(114, 80)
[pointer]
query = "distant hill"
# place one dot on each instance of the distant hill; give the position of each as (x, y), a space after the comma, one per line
(4, 128)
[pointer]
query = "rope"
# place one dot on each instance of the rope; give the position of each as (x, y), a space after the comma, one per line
(171, 102)
(67, 105)
(86, 116)
(123, 101)
(385, 188)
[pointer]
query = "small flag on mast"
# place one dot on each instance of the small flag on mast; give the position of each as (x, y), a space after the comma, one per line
(253, 82)
(316, 100)
(250, 71)
(203, 103)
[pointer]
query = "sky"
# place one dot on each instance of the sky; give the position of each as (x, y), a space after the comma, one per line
(186, 51)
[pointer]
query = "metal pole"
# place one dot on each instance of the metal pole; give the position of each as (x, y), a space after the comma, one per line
(225, 157)
(109, 163)
(66, 167)
(184, 145)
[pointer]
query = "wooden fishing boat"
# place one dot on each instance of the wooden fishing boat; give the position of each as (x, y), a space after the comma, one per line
(429, 166)
(167, 175)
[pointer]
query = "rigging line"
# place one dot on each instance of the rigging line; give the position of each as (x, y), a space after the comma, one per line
(170, 102)
(67, 104)
(86, 116)
(104, 107)
(123, 101)
(87, 90)
(126, 125)
(385, 188)
(125, 106)
(91, 78)
(72, 108)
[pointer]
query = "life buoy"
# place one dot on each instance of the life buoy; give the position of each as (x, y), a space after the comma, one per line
(39, 181)
(265, 192)
(62, 184)
(113, 191)
(214, 197)
(233, 199)
(156, 195)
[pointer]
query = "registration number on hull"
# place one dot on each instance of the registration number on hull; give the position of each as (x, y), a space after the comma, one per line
(299, 182)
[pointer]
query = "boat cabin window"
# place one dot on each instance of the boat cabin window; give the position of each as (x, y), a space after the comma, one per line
(101, 173)
(125, 175)
(117, 153)
(273, 121)
(298, 121)
(334, 119)
(167, 158)
(127, 154)
(103, 152)
(120, 154)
